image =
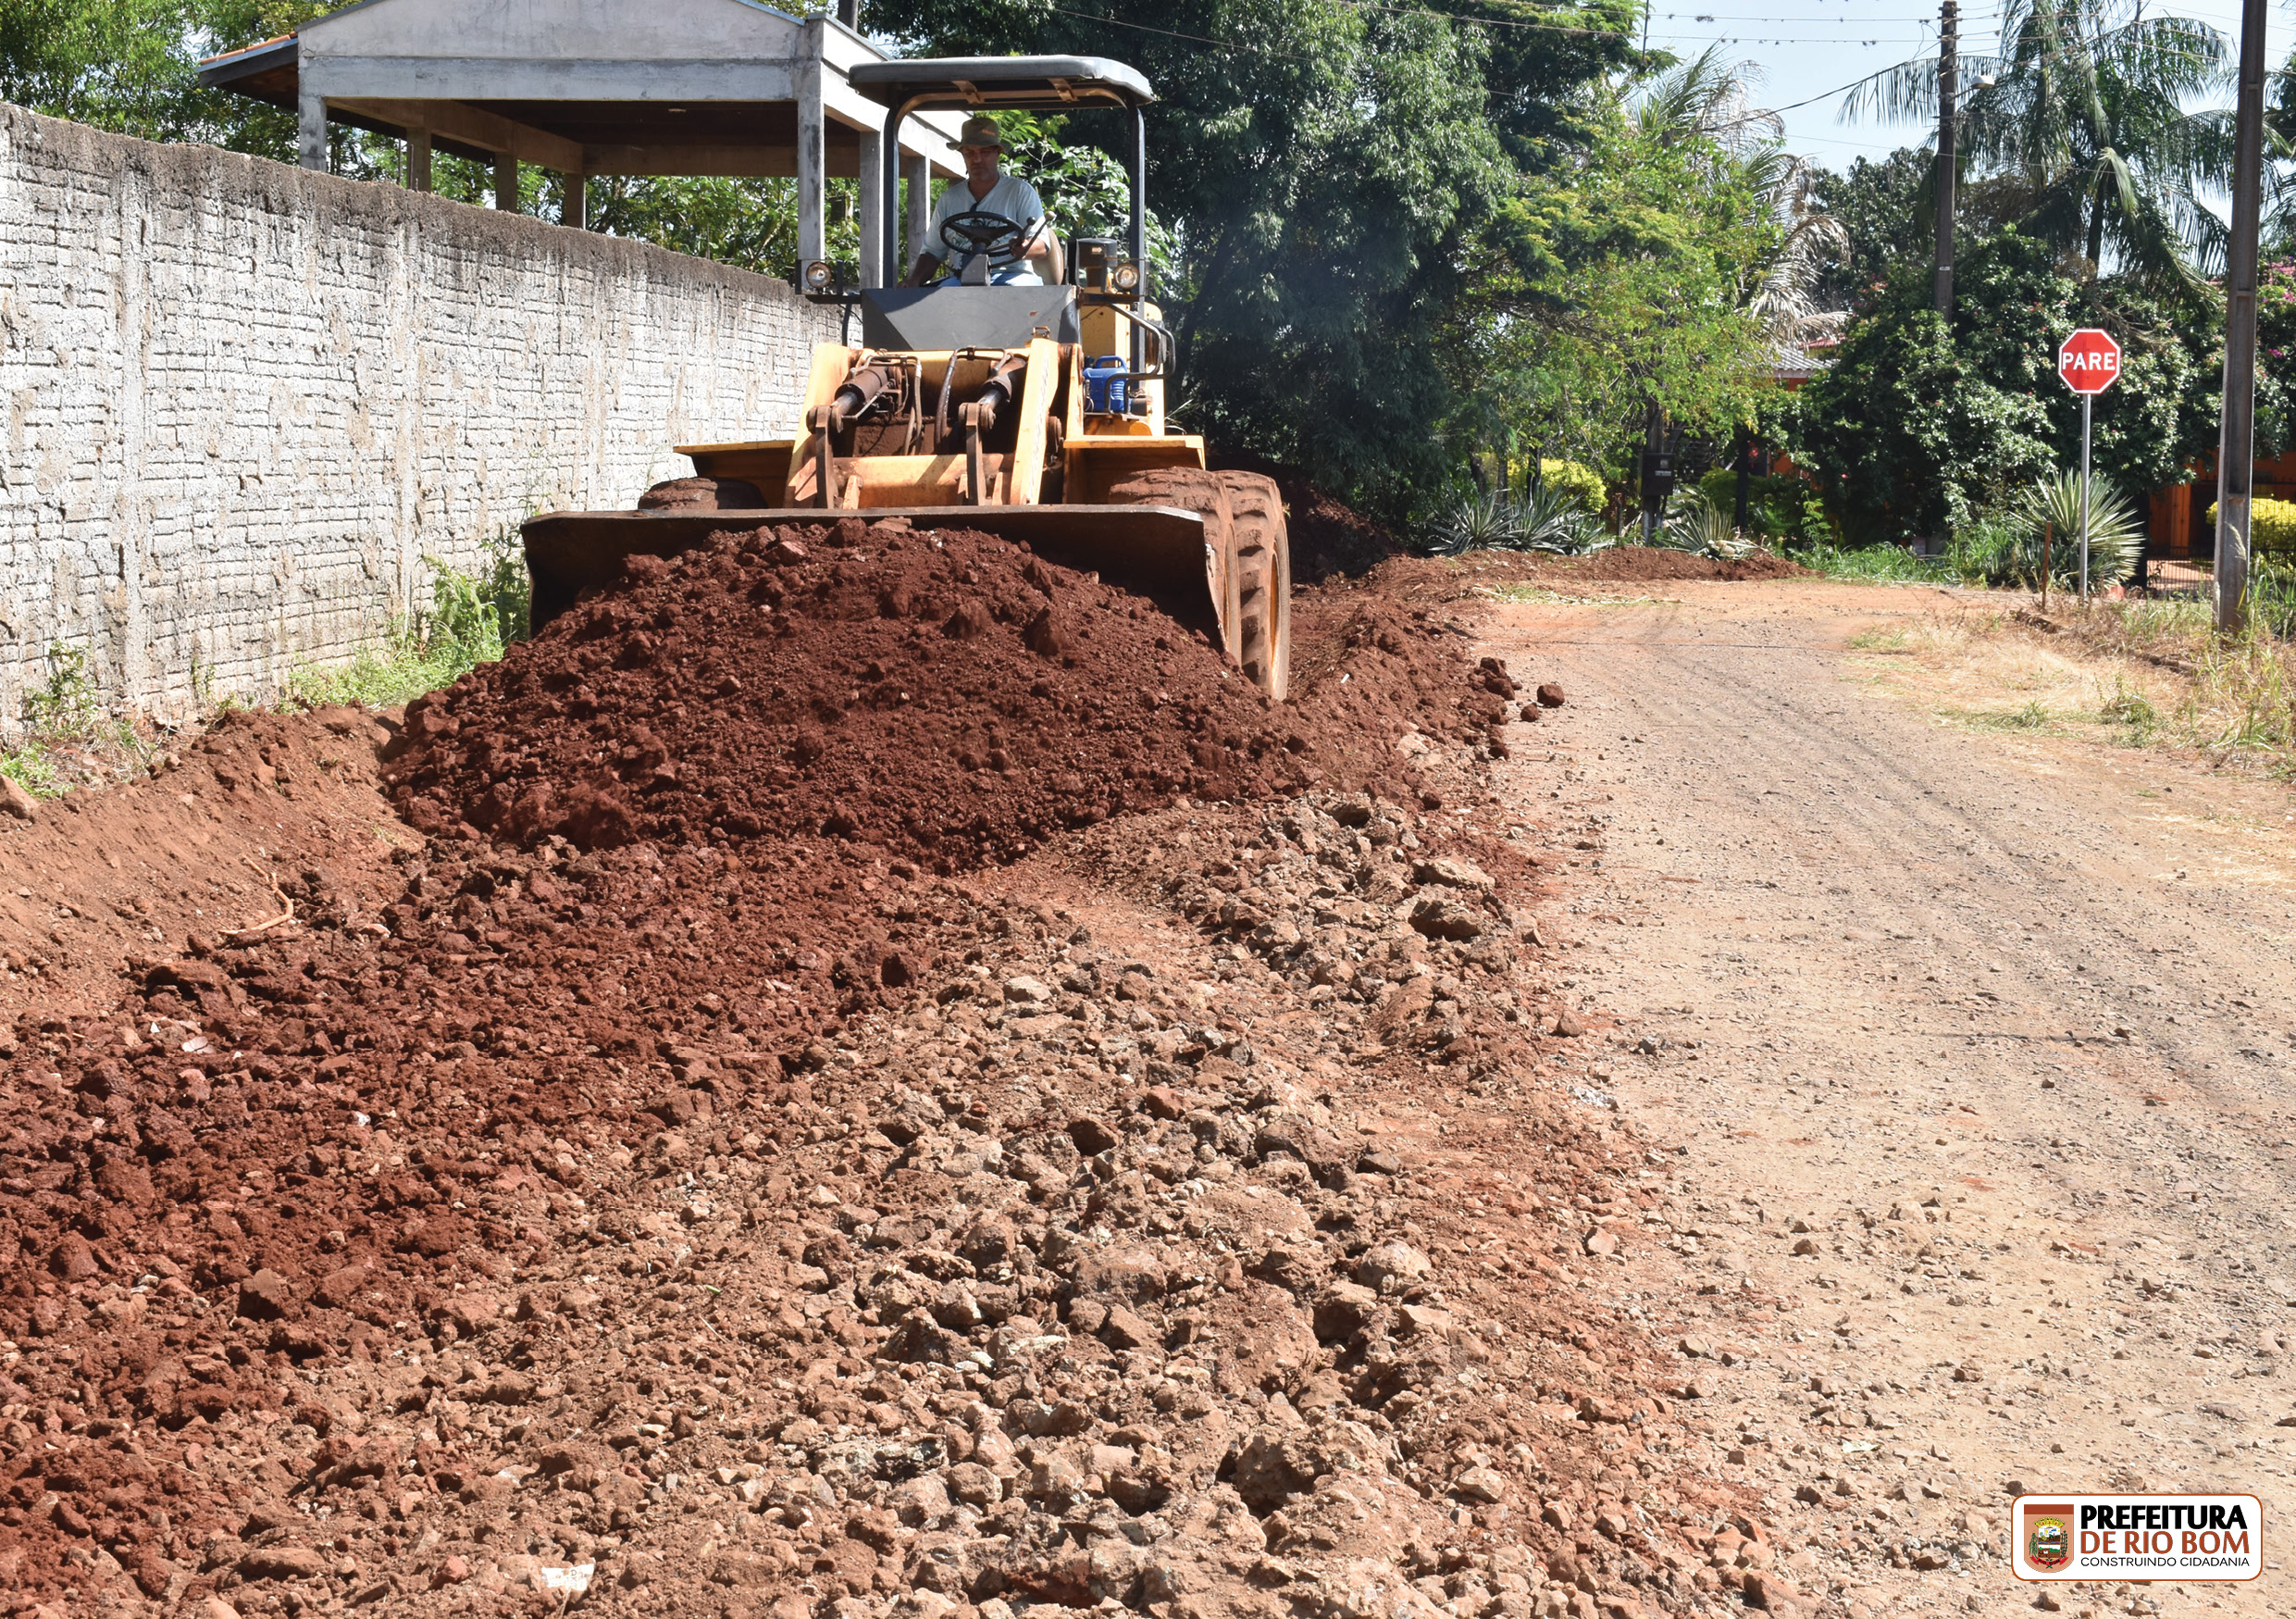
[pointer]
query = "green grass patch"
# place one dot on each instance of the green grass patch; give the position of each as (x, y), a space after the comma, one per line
(2133, 711)
(69, 738)
(1881, 641)
(2031, 717)
(30, 768)
(1887, 565)
(471, 620)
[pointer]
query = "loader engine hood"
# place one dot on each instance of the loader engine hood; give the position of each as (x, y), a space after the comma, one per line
(935, 320)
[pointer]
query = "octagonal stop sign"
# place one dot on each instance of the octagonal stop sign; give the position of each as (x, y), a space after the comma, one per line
(2089, 361)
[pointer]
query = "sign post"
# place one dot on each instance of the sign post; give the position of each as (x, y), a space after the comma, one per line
(2090, 363)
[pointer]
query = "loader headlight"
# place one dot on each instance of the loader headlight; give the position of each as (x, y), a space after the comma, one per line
(1125, 277)
(818, 275)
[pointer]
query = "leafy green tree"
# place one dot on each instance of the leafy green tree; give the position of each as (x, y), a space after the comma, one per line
(1325, 167)
(118, 65)
(1086, 190)
(2086, 119)
(1650, 276)
(131, 66)
(748, 223)
(1888, 217)
(1914, 429)
(1543, 66)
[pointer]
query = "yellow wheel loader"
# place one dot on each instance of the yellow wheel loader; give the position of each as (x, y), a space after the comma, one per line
(1029, 411)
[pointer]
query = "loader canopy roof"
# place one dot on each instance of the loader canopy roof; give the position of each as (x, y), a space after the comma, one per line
(1047, 84)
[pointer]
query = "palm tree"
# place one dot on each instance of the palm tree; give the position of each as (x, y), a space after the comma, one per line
(1712, 99)
(2082, 113)
(1708, 98)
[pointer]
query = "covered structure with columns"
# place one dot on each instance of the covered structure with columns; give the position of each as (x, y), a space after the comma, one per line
(603, 87)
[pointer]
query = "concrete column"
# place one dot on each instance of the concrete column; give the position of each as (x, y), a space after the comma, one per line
(874, 224)
(311, 128)
(418, 160)
(506, 183)
(577, 200)
(811, 234)
(918, 171)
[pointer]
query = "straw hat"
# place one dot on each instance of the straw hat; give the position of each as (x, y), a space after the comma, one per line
(980, 132)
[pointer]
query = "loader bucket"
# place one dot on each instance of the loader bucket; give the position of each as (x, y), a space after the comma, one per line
(1158, 551)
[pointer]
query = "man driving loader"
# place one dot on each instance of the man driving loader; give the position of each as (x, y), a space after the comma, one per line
(998, 217)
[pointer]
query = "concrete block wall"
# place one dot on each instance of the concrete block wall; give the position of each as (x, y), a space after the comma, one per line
(244, 401)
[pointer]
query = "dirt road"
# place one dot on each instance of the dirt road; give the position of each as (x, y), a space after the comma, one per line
(1713, 1174)
(1977, 1048)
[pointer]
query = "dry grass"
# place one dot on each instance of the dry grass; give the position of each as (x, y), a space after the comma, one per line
(2134, 674)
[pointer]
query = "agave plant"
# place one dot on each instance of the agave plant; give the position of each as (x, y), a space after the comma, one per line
(2051, 510)
(1553, 517)
(1483, 522)
(1699, 525)
(1546, 519)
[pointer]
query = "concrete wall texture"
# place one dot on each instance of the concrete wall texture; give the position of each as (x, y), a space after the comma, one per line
(246, 401)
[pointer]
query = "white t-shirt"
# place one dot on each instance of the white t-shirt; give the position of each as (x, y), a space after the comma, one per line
(1011, 197)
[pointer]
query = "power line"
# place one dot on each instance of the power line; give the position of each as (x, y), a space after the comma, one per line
(1863, 17)
(1172, 33)
(1469, 20)
(1838, 89)
(1607, 33)
(1767, 39)
(1538, 27)
(1862, 21)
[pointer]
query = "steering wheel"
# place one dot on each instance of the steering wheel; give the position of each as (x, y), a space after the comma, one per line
(982, 232)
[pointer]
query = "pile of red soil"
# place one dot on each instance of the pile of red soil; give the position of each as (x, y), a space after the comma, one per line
(195, 847)
(946, 698)
(682, 855)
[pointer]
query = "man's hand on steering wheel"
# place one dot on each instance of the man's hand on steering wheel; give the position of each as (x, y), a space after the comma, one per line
(1004, 242)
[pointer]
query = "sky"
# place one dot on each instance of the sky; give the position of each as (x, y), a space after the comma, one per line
(1813, 48)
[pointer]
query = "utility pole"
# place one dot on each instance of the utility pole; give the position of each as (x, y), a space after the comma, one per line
(2236, 451)
(1948, 70)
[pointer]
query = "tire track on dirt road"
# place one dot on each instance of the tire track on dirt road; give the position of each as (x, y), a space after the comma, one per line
(1977, 1049)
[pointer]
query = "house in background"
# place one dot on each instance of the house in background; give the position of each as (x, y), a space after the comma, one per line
(2176, 521)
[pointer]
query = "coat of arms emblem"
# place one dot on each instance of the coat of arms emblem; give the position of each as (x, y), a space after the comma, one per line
(2048, 1537)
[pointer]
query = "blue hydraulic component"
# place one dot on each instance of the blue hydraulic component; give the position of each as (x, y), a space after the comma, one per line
(1105, 385)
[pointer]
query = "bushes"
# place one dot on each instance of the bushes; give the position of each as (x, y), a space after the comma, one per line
(2271, 524)
(1582, 485)
(2272, 592)
(1915, 427)
(1872, 563)
(1781, 508)
(2005, 545)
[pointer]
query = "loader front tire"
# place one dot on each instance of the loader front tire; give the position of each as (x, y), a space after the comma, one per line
(1247, 566)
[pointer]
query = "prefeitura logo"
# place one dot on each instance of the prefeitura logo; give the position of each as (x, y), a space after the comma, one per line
(2138, 1536)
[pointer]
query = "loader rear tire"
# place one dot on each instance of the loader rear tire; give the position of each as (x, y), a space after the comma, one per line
(1248, 567)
